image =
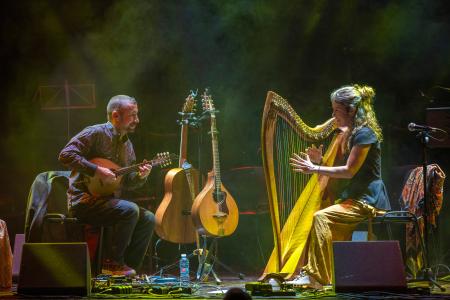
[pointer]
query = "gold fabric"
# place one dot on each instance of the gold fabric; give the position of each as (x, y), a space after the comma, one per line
(334, 223)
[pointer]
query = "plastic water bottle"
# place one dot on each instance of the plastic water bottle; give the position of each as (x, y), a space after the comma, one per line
(184, 269)
(275, 284)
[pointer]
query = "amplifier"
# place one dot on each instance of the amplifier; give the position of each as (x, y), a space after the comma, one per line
(365, 266)
(55, 269)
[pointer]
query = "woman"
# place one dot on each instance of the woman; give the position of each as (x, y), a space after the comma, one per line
(365, 192)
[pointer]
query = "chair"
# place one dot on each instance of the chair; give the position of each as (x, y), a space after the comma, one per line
(400, 217)
(411, 210)
(48, 217)
(396, 216)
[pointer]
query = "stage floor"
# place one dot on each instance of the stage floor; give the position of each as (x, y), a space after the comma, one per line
(211, 290)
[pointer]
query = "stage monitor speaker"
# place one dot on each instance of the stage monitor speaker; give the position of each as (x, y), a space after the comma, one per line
(55, 269)
(368, 266)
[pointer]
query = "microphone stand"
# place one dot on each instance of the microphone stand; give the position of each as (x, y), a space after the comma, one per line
(424, 139)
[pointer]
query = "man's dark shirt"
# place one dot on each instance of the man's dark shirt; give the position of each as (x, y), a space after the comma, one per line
(101, 140)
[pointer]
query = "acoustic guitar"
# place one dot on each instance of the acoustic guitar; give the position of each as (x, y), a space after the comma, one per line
(173, 216)
(99, 187)
(214, 211)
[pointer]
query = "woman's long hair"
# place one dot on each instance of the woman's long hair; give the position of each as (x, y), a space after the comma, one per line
(360, 98)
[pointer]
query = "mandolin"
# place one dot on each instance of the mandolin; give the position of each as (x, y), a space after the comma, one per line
(99, 187)
(173, 216)
(214, 211)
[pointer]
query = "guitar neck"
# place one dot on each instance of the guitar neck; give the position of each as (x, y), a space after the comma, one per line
(129, 169)
(215, 153)
(183, 144)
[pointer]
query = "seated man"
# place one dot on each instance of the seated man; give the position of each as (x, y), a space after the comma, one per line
(134, 224)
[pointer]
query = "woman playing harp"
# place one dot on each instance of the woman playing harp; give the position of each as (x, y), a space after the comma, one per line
(364, 192)
(294, 197)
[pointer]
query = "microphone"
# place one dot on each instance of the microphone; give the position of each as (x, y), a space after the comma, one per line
(414, 127)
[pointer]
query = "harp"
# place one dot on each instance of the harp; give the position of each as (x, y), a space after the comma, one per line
(293, 197)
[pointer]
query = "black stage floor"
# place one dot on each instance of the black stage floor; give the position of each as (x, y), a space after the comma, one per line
(211, 290)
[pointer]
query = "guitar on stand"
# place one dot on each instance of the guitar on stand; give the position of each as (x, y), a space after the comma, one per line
(214, 212)
(173, 216)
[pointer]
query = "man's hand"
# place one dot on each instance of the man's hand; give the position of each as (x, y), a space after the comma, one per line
(105, 174)
(144, 170)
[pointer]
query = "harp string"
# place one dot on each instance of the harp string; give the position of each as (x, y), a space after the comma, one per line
(283, 133)
(290, 184)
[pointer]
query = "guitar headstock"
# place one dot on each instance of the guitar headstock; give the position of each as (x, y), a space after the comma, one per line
(163, 159)
(189, 103)
(207, 103)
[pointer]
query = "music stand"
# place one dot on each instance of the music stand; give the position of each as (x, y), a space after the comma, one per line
(76, 96)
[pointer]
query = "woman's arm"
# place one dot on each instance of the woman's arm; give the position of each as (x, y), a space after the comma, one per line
(357, 156)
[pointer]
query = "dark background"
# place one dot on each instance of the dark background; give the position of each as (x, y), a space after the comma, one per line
(157, 51)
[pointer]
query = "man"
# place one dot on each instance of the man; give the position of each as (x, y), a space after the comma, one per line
(133, 224)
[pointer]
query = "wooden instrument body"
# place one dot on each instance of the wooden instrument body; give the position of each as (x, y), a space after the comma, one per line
(214, 217)
(173, 216)
(205, 208)
(99, 187)
(181, 185)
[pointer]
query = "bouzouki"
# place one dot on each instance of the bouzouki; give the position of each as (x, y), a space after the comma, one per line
(214, 212)
(99, 187)
(173, 216)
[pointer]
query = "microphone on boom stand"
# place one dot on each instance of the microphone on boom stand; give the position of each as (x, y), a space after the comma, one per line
(424, 136)
(414, 127)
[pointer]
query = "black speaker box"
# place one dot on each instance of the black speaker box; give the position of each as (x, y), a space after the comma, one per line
(55, 269)
(368, 266)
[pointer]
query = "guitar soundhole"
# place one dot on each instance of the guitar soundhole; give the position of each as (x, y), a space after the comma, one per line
(223, 208)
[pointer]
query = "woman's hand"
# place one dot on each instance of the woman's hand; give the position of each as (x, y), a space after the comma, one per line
(314, 153)
(302, 165)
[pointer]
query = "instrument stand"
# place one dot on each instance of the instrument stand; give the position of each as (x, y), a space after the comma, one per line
(427, 273)
(205, 268)
(206, 258)
(154, 255)
(160, 270)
